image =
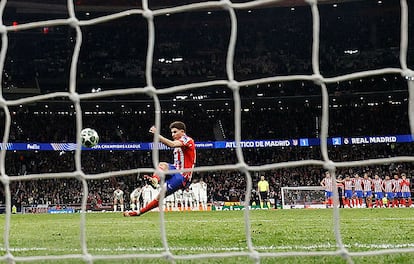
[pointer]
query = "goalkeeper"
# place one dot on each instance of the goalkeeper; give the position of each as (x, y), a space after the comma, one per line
(184, 158)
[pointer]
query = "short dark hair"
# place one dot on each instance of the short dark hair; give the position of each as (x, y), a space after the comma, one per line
(178, 125)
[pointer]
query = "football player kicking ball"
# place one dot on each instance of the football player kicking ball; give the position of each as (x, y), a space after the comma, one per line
(184, 158)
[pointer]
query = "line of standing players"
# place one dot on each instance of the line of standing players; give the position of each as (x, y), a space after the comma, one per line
(361, 192)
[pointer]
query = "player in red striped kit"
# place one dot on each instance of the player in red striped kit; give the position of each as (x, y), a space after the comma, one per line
(378, 188)
(406, 192)
(359, 191)
(327, 184)
(348, 193)
(397, 191)
(388, 187)
(367, 182)
(184, 158)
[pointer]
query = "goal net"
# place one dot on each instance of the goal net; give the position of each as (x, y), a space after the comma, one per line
(272, 77)
(303, 197)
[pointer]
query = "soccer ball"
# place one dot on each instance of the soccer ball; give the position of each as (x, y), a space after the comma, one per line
(89, 137)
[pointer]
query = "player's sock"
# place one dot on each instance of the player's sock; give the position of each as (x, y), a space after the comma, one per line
(268, 205)
(410, 202)
(114, 208)
(153, 204)
(261, 205)
(132, 206)
(403, 202)
(122, 207)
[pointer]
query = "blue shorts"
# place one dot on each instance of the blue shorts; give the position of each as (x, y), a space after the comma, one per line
(328, 194)
(379, 195)
(368, 194)
(359, 194)
(390, 195)
(348, 193)
(175, 181)
(406, 195)
(398, 195)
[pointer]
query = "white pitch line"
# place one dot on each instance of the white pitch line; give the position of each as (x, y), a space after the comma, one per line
(221, 249)
(385, 219)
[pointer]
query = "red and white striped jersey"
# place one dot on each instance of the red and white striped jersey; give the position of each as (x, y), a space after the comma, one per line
(348, 185)
(357, 184)
(405, 185)
(185, 156)
(327, 183)
(377, 185)
(388, 185)
(397, 185)
(367, 184)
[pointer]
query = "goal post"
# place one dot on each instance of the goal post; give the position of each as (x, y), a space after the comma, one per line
(303, 197)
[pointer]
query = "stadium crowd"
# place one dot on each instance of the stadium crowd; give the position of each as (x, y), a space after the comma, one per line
(193, 47)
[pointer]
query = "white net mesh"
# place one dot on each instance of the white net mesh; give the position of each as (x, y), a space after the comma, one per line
(231, 83)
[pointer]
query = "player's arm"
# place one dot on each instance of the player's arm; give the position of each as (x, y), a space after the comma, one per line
(166, 141)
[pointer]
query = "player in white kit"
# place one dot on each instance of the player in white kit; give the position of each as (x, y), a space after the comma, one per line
(178, 200)
(118, 199)
(146, 194)
(134, 198)
(203, 195)
(187, 198)
(195, 187)
(169, 202)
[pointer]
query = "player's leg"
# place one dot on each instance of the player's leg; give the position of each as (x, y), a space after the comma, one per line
(407, 197)
(263, 199)
(186, 201)
(121, 204)
(133, 201)
(348, 197)
(390, 198)
(172, 184)
(360, 196)
(329, 196)
(380, 197)
(401, 200)
(370, 199)
(176, 204)
(115, 204)
(190, 203)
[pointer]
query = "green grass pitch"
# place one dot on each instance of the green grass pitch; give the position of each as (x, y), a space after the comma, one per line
(195, 233)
